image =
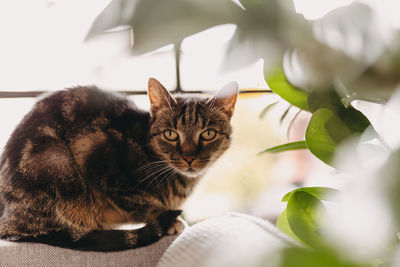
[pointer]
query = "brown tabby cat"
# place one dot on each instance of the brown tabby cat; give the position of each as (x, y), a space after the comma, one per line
(84, 161)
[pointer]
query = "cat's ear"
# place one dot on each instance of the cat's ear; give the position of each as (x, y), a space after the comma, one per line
(225, 98)
(159, 96)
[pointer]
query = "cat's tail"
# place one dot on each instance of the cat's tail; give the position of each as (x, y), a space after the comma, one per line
(111, 240)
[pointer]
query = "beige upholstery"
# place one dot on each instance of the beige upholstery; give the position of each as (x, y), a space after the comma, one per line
(232, 240)
(31, 254)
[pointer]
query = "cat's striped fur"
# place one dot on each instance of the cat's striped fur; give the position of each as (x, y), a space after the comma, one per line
(84, 161)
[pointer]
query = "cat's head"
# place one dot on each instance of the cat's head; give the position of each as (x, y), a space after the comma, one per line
(190, 132)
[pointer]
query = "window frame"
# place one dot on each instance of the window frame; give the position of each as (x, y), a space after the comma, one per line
(178, 89)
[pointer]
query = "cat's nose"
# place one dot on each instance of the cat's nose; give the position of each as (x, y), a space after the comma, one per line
(189, 159)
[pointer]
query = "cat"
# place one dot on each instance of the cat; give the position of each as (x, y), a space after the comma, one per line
(84, 161)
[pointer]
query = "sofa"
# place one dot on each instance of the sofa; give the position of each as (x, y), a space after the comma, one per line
(230, 240)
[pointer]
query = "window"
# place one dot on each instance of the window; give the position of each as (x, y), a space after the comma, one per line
(42, 49)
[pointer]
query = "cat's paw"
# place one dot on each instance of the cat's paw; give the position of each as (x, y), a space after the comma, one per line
(177, 227)
(167, 220)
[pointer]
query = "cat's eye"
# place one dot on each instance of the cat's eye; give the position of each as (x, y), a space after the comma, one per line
(171, 135)
(208, 135)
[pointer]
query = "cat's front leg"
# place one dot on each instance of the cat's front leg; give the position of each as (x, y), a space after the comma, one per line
(149, 211)
(178, 226)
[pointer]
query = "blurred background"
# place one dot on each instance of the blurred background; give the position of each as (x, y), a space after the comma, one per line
(42, 48)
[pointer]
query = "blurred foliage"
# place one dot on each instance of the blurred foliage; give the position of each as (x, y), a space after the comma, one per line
(277, 81)
(317, 66)
(367, 53)
(267, 108)
(157, 23)
(300, 257)
(302, 217)
(321, 193)
(285, 147)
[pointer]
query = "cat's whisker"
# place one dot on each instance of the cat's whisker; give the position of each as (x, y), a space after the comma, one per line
(148, 176)
(153, 173)
(151, 170)
(157, 172)
(173, 174)
(165, 178)
(150, 165)
(168, 178)
(165, 170)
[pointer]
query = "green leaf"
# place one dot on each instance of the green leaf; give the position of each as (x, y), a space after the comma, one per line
(278, 83)
(328, 98)
(247, 46)
(266, 31)
(318, 139)
(266, 109)
(249, 42)
(337, 129)
(301, 257)
(304, 217)
(285, 114)
(322, 193)
(157, 23)
(286, 147)
(354, 119)
(327, 129)
(283, 225)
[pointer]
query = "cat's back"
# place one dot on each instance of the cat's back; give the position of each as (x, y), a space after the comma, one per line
(79, 106)
(69, 112)
(63, 130)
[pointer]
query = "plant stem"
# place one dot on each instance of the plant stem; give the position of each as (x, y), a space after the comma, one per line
(177, 48)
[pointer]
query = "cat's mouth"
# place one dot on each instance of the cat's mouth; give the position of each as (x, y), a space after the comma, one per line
(193, 170)
(190, 172)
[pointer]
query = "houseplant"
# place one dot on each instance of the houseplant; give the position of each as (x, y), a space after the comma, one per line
(319, 67)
